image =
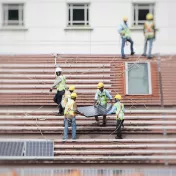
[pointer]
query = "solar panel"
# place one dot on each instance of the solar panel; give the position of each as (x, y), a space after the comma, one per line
(11, 148)
(91, 111)
(39, 148)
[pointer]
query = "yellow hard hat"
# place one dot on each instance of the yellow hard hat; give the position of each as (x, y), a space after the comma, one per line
(125, 18)
(73, 95)
(100, 85)
(72, 88)
(149, 16)
(118, 96)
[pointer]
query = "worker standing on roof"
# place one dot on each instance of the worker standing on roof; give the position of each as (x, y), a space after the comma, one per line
(67, 96)
(60, 85)
(119, 109)
(70, 113)
(149, 33)
(101, 98)
(126, 37)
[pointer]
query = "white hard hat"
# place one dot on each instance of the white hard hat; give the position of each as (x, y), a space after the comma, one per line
(58, 69)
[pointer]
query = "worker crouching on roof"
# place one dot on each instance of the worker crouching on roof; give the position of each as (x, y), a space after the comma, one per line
(67, 96)
(70, 114)
(60, 85)
(119, 109)
(101, 98)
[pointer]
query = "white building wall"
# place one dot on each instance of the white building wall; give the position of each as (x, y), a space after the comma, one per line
(45, 28)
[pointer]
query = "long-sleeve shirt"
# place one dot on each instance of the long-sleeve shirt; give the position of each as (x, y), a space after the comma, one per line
(113, 110)
(122, 26)
(56, 82)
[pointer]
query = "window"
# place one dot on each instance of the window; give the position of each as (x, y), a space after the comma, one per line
(140, 11)
(78, 14)
(13, 14)
(138, 79)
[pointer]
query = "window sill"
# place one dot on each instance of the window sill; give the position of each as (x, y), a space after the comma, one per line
(139, 28)
(139, 94)
(13, 28)
(78, 28)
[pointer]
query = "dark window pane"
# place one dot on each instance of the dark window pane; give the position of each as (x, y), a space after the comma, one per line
(69, 15)
(78, 14)
(87, 15)
(142, 14)
(78, 5)
(13, 15)
(78, 23)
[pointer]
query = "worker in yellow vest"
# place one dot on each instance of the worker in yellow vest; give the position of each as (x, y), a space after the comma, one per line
(101, 98)
(67, 96)
(119, 109)
(70, 114)
(149, 33)
(125, 34)
(60, 85)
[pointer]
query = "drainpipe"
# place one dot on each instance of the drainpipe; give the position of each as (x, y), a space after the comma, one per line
(160, 80)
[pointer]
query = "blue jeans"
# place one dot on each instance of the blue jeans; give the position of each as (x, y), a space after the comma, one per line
(150, 47)
(124, 40)
(73, 121)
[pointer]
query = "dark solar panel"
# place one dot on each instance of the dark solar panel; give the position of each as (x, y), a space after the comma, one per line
(11, 148)
(91, 111)
(39, 148)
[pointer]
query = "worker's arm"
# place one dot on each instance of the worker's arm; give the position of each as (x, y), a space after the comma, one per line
(57, 81)
(96, 98)
(154, 31)
(76, 109)
(144, 29)
(112, 110)
(109, 96)
(121, 30)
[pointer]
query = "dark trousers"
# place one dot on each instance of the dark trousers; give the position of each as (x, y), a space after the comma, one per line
(58, 98)
(104, 119)
(118, 127)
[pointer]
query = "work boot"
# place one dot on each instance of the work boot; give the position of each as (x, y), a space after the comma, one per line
(104, 124)
(144, 55)
(64, 140)
(132, 53)
(74, 140)
(59, 114)
(118, 137)
(124, 57)
(149, 57)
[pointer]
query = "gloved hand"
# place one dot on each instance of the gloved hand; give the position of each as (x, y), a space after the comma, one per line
(51, 90)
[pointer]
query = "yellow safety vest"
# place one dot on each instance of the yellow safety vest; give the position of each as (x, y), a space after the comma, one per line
(61, 86)
(69, 108)
(66, 98)
(102, 99)
(149, 29)
(120, 110)
(125, 31)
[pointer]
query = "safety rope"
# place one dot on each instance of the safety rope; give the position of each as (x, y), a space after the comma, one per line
(73, 60)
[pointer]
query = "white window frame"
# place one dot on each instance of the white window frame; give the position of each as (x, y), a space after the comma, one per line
(149, 77)
(17, 6)
(136, 8)
(71, 6)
